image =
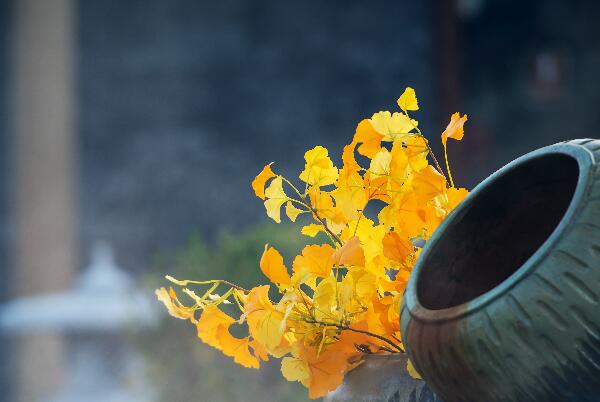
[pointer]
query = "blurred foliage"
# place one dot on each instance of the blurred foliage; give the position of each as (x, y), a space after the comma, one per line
(180, 366)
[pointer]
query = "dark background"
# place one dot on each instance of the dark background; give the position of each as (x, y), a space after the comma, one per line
(182, 102)
(202, 94)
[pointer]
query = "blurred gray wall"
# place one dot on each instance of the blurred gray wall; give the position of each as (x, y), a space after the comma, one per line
(529, 77)
(183, 102)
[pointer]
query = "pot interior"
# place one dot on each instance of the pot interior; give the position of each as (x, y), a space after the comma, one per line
(498, 229)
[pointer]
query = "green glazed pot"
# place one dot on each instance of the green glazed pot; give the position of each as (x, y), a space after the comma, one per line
(504, 301)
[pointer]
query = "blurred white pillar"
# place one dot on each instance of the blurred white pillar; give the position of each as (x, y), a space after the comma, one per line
(44, 174)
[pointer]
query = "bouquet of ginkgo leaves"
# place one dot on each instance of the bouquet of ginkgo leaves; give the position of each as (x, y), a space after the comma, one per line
(341, 299)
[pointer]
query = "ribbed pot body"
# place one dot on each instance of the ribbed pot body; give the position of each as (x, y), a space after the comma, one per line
(504, 302)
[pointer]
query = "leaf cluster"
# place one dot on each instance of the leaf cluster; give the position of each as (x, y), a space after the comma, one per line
(339, 300)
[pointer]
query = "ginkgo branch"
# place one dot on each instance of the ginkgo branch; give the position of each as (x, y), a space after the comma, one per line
(213, 281)
(367, 350)
(322, 222)
(437, 164)
(360, 331)
(307, 204)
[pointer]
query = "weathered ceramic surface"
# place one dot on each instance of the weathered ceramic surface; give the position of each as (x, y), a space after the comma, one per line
(382, 379)
(491, 315)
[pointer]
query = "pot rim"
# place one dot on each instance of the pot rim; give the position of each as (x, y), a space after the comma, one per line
(585, 160)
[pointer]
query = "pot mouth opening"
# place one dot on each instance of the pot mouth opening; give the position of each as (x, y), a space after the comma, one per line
(497, 231)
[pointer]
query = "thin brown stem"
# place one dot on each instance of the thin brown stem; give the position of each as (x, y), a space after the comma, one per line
(307, 204)
(233, 285)
(322, 222)
(437, 164)
(360, 331)
(186, 282)
(386, 349)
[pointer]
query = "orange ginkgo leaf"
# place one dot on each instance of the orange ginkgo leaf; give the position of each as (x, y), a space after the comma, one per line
(455, 196)
(315, 261)
(271, 264)
(348, 158)
(369, 139)
(396, 247)
(211, 319)
(427, 184)
(322, 202)
(213, 329)
(326, 369)
(258, 184)
(346, 346)
(455, 128)
(237, 348)
(351, 253)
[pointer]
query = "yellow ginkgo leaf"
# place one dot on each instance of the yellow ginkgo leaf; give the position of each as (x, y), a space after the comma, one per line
(319, 170)
(292, 212)
(393, 126)
(258, 184)
(271, 264)
(338, 302)
(265, 323)
(294, 369)
(346, 294)
(365, 284)
(417, 151)
(455, 128)
(380, 164)
(371, 240)
(325, 299)
(346, 200)
(275, 199)
(173, 305)
(312, 230)
(408, 100)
